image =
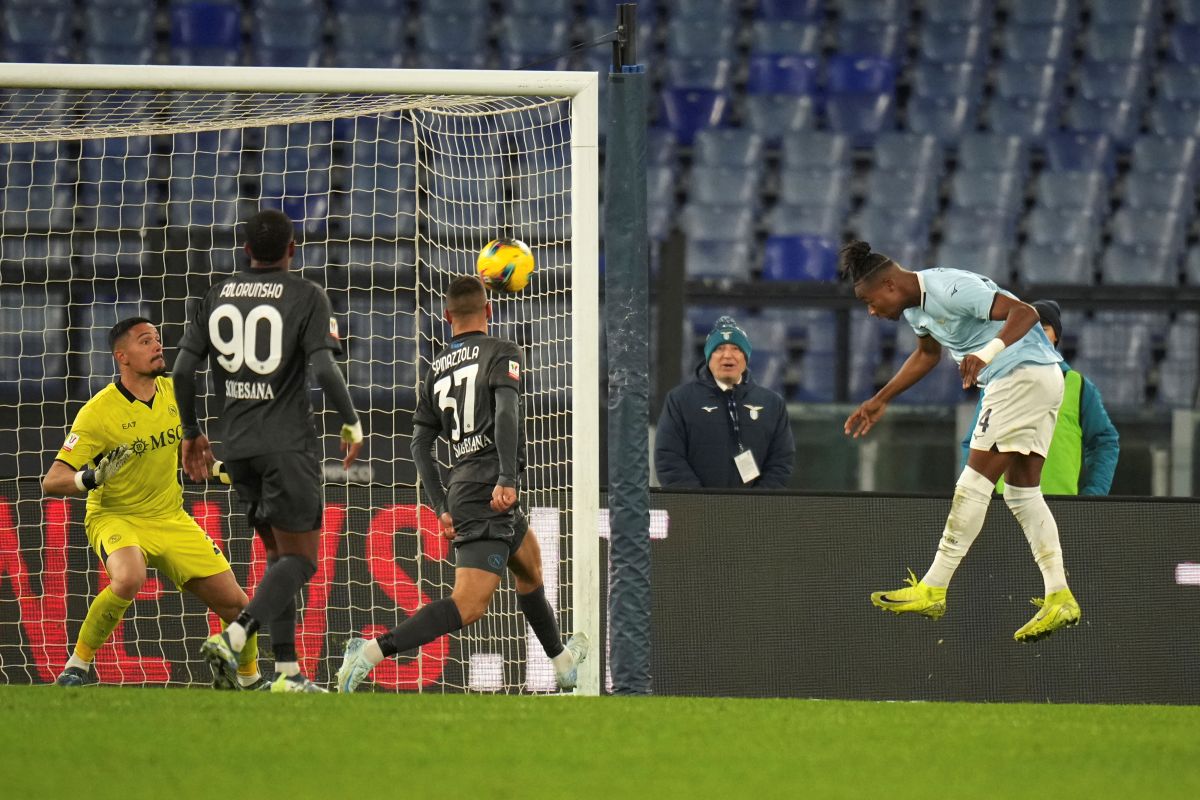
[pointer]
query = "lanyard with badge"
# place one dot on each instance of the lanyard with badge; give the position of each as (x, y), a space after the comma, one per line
(744, 460)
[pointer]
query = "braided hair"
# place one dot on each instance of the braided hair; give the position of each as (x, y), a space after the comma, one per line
(856, 262)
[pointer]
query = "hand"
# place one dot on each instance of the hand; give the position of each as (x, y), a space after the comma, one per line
(969, 369)
(864, 417)
(352, 442)
(503, 498)
(197, 458)
(446, 522)
(111, 464)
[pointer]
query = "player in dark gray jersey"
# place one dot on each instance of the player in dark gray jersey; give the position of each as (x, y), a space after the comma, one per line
(471, 397)
(263, 328)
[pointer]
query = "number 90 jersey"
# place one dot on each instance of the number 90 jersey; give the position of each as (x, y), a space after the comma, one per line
(457, 400)
(259, 328)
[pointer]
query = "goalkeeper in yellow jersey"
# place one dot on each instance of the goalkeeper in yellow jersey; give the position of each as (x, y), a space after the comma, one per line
(123, 454)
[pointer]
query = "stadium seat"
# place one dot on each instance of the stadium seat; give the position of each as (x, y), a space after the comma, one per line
(947, 118)
(1148, 226)
(1067, 263)
(861, 116)
(688, 111)
(992, 152)
(967, 226)
(660, 146)
(699, 73)
(1125, 12)
(1184, 43)
(287, 31)
(793, 10)
(1022, 117)
(1170, 191)
(287, 56)
(878, 39)
(533, 39)
(942, 386)
(954, 42)
(1177, 374)
(1080, 151)
(1087, 190)
(799, 258)
(1113, 80)
(1163, 154)
(36, 188)
(376, 59)
(903, 189)
(816, 149)
(956, 10)
(908, 152)
(813, 220)
(1179, 81)
(774, 116)
(206, 25)
(1029, 80)
(1117, 42)
(1175, 118)
(1121, 387)
(440, 33)
(104, 54)
(717, 259)
(121, 26)
(998, 192)
(558, 9)
(1044, 12)
(783, 74)
(1048, 225)
(703, 9)
(381, 203)
(990, 260)
(878, 223)
(1038, 44)
(204, 183)
(946, 78)
(697, 37)
(711, 185)
(730, 222)
(1139, 264)
(852, 74)
(113, 176)
(872, 10)
(728, 147)
(781, 37)
(1117, 119)
(366, 30)
(41, 24)
(816, 186)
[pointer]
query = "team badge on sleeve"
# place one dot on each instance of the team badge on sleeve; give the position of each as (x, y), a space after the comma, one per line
(70, 443)
(514, 370)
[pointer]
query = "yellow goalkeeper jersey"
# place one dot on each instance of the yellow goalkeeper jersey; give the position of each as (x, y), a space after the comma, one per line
(148, 485)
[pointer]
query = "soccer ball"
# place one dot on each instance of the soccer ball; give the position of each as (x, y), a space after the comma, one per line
(505, 264)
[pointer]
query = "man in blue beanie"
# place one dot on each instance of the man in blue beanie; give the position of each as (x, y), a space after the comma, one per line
(721, 430)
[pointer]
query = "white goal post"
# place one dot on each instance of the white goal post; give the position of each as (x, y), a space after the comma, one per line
(122, 189)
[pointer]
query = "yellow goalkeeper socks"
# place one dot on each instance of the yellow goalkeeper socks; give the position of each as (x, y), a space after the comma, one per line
(247, 656)
(103, 616)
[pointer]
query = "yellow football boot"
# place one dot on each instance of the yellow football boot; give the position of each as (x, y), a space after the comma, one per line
(929, 601)
(1058, 610)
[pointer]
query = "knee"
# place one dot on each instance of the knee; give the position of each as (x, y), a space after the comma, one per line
(530, 579)
(470, 609)
(127, 583)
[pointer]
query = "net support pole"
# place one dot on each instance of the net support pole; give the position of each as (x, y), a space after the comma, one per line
(626, 291)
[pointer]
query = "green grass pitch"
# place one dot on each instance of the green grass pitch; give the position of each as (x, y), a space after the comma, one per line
(127, 742)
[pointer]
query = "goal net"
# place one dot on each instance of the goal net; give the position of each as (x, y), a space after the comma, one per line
(123, 189)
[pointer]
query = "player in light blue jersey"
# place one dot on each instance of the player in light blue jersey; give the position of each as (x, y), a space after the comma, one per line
(998, 343)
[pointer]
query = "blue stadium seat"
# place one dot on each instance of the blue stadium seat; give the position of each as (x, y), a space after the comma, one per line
(382, 331)
(204, 181)
(1175, 118)
(1173, 191)
(814, 220)
(1118, 42)
(697, 37)
(287, 31)
(783, 74)
(1039, 44)
(381, 203)
(1151, 226)
(36, 188)
(366, 30)
(880, 39)
(905, 251)
(793, 10)
(993, 152)
(1100, 80)
(1086, 190)
(816, 149)
(724, 184)
(862, 116)
(389, 6)
(1179, 81)
(117, 54)
(877, 223)
(999, 192)
(698, 73)
(1164, 154)
(985, 259)
(371, 59)
(956, 10)
(947, 78)
(441, 33)
(1118, 119)
(120, 26)
(287, 56)
(816, 186)
(113, 177)
(660, 146)
(771, 330)
(947, 118)
(728, 147)
(852, 74)
(774, 116)
(688, 111)
(1028, 119)
(661, 182)
(1125, 12)
(1140, 264)
(799, 258)
(1029, 80)
(908, 152)
(206, 25)
(1184, 43)
(1056, 263)
(956, 42)
(1044, 12)
(1080, 151)
(818, 372)
(1121, 387)
(872, 10)
(703, 9)
(903, 189)
(1187, 11)
(524, 39)
(776, 37)
(968, 226)
(1051, 225)
(37, 24)
(717, 259)
(559, 9)
(729, 222)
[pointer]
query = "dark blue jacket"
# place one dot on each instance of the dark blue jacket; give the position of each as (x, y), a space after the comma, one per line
(695, 443)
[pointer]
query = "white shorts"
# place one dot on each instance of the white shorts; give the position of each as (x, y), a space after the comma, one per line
(1019, 410)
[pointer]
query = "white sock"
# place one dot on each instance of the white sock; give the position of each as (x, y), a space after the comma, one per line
(237, 636)
(563, 661)
(972, 496)
(372, 653)
(288, 668)
(248, 680)
(76, 661)
(1029, 507)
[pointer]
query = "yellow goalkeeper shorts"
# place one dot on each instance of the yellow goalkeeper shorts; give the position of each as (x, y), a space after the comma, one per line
(175, 546)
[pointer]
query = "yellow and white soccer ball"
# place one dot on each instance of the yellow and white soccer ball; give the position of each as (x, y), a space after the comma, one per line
(505, 264)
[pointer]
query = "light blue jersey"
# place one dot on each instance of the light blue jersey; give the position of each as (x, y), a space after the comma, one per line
(955, 310)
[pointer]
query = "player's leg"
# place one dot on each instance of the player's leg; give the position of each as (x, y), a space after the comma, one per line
(126, 568)
(222, 594)
(526, 567)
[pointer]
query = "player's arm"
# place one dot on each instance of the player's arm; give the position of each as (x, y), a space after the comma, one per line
(507, 408)
(195, 452)
(1019, 318)
(64, 480)
(423, 440)
(330, 379)
(924, 357)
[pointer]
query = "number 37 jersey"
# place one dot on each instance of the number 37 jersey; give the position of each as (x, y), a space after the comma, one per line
(458, 400)
(259, 328)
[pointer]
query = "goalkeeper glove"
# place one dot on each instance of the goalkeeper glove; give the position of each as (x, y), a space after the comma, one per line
(352, 434)
(88, 479)
(221, 473)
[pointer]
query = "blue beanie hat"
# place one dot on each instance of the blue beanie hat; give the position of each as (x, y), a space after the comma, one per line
(726, 330)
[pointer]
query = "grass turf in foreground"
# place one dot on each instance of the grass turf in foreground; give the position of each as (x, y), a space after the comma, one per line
(125, 742)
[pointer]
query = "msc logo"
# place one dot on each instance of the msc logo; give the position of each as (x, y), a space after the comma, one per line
(496, 560)
(167, 438)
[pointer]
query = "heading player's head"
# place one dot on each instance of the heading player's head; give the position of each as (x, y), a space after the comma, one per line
(467, 306)
(878, 281)
(1050, 316)
(136, 348)
(270, 239)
